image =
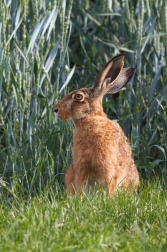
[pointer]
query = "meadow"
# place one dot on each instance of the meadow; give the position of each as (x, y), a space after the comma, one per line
(52, 222)
(48, 48)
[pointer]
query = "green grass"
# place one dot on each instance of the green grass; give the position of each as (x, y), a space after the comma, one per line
(54, 222)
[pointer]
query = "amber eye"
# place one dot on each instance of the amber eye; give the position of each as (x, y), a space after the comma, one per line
(78, 97)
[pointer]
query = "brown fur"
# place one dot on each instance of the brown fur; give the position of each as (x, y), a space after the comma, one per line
(101, 152)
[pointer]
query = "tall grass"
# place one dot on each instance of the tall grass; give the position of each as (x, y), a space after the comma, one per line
(43, 44)
(34, 39)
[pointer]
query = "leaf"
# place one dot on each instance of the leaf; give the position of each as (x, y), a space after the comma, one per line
(50, 61)
(152, 137)
(51, 57)
(148, 36)
(13, 78)
(159, 103)
(15, 93)
(41, 27)
(51, 19)
(125, 49)
(154, 82)
(156, 162)
(1, 50)
(161, 149)
(68, 78)
(37, 32)
(7, 2)
(116, 46)
(17, 15)
(93, 19)
(107, 14)
(20, 51)
(107, 43)
(15, 30)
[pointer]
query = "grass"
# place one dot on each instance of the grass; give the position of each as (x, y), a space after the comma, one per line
(54, 222)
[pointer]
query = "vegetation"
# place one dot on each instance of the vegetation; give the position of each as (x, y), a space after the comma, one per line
(48, 48)
(57, 223)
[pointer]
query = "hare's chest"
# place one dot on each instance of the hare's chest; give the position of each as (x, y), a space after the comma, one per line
(90, 150)
(88, 143)
(95, 141)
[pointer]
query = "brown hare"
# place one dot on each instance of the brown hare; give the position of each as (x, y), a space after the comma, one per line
(101, 152)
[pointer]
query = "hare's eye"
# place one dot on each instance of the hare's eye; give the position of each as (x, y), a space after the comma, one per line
(78, 97)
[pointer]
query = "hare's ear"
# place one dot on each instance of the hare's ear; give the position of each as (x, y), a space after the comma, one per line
(109, 72)
(113, 76)
(123, 78)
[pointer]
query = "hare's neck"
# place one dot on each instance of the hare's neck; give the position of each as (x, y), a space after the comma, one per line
(87, 120)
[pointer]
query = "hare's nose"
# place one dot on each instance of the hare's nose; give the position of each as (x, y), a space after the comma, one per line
(55, 110)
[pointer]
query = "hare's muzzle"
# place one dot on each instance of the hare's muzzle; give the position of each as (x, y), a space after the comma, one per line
(55, 109)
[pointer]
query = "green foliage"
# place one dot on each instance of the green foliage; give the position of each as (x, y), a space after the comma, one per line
(126, 223)
(34, 39)
(41, 50)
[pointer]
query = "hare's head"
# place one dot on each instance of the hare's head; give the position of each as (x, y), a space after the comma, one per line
(88, 101)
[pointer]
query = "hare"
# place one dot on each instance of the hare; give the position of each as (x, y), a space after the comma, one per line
(101, 152)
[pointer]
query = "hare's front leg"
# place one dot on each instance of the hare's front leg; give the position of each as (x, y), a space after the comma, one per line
(69, 180)
(74, 180)
(112, 183)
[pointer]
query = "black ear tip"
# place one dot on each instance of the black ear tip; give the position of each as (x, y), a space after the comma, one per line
(133, 70)
(130, 71)
(121, 55)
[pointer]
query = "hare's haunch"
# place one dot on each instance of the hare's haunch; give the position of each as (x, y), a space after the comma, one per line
(101, 152)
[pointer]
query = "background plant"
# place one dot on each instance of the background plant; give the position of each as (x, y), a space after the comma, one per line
(34, 38)
(41, 50)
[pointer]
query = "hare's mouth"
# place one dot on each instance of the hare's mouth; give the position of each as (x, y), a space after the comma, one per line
(63, 115)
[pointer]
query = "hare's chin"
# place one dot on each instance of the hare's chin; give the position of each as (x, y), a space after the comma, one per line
(66, 119)
(69, 118)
